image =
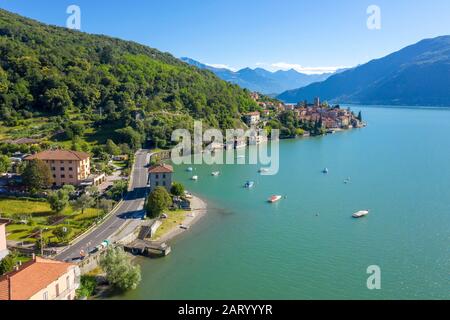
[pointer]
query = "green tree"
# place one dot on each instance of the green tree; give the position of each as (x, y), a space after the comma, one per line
(37, 176)
(177, 189)
(105, 205)
(158, 201)
(7, 264)
(83, 202)
(120, 272)
(118, 190)
(360, 116)
(62, 233)
(112, 148)
(58, 200)
(5, 163)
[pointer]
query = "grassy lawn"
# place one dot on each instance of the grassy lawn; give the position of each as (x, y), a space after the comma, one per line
(40, 215)
(120, 164)
(174, 221)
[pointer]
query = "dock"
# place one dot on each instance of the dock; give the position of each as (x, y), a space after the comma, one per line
(149, 249)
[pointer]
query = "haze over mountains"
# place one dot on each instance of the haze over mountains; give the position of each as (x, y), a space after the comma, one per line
(261, 80)
(418, 75)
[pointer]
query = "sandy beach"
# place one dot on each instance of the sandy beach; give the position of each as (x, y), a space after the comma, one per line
(199, 210)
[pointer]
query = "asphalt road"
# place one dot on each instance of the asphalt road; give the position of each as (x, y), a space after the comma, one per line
(130, 209)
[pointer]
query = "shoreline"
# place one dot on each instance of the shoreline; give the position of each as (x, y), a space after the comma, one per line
(199, 210)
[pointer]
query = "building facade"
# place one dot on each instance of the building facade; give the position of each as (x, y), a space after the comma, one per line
(160, 176)
(252, 118)
(41, 279)
(3, 247)
(67, 167)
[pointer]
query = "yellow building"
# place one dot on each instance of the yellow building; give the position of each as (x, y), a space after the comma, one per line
(67, 167)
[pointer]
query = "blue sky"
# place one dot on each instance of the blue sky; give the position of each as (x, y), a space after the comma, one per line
(274, 34)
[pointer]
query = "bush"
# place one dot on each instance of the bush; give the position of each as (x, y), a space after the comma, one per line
(87, 288)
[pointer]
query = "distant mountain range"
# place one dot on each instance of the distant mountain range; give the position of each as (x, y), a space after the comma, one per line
(416, 75)
(261, 80)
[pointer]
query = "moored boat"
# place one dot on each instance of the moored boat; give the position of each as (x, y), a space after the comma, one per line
(360, 214)
(215, 173)
(195, 178)
(190, 169)
(249, 184)
(325, 171)
(274, 199)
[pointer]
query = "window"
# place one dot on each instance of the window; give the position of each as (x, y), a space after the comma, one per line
(157, 183)
(70, 176)
(164, 175)
(68, 282)
(45, 296)
(57, 289)
(63, 169)
(157, 176)
(53, 168)
(63, 176)
(70, 169)
(164, 183)
(54, 176)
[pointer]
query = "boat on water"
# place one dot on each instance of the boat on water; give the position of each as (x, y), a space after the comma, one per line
(360, 214)
(325, 171)
(263, 170)
(215, 173)
(249, 184)
(195, 178)
(274, 199)
(190, 169)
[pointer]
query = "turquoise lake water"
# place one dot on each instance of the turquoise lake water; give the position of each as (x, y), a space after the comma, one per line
(246, 248)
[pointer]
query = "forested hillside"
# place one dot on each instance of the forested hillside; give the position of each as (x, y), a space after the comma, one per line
(65, 86)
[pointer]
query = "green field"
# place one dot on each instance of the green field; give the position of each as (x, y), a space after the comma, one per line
(29, 217)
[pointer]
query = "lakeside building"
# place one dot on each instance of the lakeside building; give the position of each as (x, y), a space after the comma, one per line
(160, 176)
(3, 245)
(41, 279)
(252, 118)
(69, 167)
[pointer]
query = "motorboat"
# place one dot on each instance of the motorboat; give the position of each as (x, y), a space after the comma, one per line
(325, 171)
(263, 170)
(274, 199)
(215, 173)
(249, 184)
(195, 178)
(190, 169)
(360, 214)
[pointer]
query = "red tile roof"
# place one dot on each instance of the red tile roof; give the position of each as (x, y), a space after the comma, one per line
(59, 155)
(161, 168)
(31, 278)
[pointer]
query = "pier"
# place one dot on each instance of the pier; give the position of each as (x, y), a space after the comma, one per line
(149, 249)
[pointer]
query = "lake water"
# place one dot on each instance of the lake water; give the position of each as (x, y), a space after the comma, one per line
(248, 249)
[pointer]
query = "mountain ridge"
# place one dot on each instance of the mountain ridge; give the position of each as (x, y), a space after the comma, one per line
(418, 74)
(261, 80)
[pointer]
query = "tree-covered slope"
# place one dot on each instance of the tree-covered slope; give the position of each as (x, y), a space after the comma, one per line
(101, 83)
(416, 75)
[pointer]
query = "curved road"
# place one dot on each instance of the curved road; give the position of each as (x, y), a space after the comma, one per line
(132, 208)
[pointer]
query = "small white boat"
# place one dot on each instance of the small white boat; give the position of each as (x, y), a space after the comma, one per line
(190, 169)
(249, 184)
(195, 178)
(274, 199)
(360, 214)
(325, 171)
(215, 173)
(263, 170)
